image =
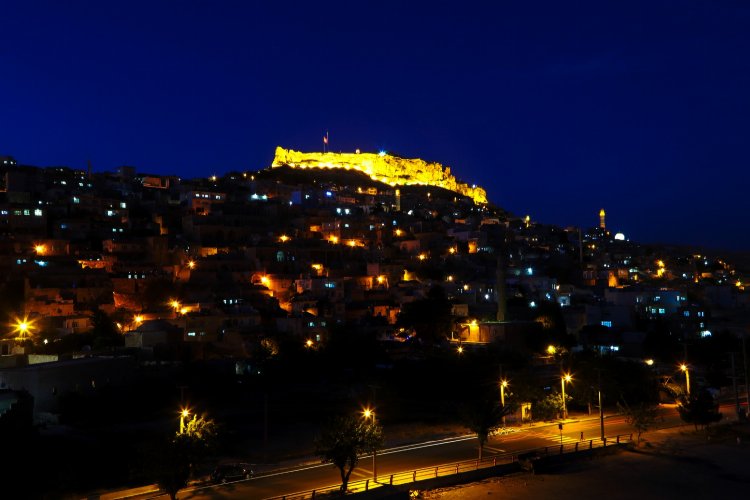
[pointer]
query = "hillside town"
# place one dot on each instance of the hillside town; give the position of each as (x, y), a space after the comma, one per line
(105, 273)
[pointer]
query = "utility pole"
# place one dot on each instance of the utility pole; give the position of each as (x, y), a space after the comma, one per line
(747, 379)
(736, 391)
(601, 408)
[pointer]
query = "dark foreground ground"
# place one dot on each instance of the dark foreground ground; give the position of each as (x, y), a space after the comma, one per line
(674, 463)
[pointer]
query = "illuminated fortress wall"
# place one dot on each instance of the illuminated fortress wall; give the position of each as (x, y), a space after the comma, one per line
(384, 168)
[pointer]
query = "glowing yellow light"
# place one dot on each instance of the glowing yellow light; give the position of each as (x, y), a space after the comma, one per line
(452, 250)
(738, 284)
(551, 349)
(398, 232)
(138, 319)
(504, 383)
(473, 322)
(23, 327)
(650, 362)
(191, 264)
(175, 304)
(460, 350)
(683, 367)
(381, 279)
(213, 178)
(184, 310)
(265, 280)
(317, 267)
(352, 243)
(309, 343)
(466, 287)
(567, 377)
(422, 256)
(284, 238)
(40, 249)
(184, 413)
(659, 272)
(660, 263)
(450, 277)
(368, 413)
(334, 239)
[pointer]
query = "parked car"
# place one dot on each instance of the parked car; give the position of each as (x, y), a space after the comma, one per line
(231, 472)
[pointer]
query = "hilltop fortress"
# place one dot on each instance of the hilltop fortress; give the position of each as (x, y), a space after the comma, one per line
(383, 168)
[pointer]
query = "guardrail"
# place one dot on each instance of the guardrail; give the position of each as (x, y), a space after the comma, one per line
(425, 473)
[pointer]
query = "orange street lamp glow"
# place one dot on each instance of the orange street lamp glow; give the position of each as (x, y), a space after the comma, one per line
(460, 350)
(191, 264)
(265, 280)
(40, 249)
(381, 279)
(452, 250)
(650, 362)
(23, 327)
(334, 239)
(565, 378)
(551, 349)
(503, 385)
(684, 368)
(422, 256)
(309, 343)
(352, 243)
(284, 238)
(398, 232)
(175, 304)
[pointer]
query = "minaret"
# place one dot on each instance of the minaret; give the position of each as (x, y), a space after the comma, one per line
(500, 286)
(601, 219)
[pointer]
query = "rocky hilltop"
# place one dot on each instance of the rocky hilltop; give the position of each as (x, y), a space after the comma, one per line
(385, 168)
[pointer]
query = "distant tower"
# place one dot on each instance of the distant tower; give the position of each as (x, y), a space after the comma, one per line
(398, 200)
(602, 224)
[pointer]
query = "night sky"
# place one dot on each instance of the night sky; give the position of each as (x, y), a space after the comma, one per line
(557, 108)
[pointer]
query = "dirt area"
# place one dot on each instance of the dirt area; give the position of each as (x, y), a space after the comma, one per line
(675, 463)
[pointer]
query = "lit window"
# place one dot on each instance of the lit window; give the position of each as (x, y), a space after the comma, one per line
(38, 212)
(608, 324)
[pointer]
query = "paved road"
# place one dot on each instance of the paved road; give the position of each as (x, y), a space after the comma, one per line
(430, 454)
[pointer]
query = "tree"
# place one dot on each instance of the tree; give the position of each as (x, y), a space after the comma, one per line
(484, 416)
(429, 317)
(549, 407)
(699, 409)
(179, 455)
(104, 330)
(641, 416)
(343, 440)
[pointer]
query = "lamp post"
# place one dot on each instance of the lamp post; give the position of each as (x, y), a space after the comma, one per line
(184, 413)
(563, 379)
(503, 385)
(684, 367)
(368, 413)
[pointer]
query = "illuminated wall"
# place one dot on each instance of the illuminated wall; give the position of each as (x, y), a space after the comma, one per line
(384, 168)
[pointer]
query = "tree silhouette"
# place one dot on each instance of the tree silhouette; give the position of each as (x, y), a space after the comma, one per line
(179, 455)
(699, 409)
(343, 440)
(429, 317)
(483, 416)
(640, 416)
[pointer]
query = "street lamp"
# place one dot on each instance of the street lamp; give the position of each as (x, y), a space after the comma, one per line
(684, 368)
(563, 379)
(368, 413)
(184, 413)
(503, 385)
(23, 328)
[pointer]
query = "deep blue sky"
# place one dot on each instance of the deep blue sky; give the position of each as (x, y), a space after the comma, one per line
(557, 108)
